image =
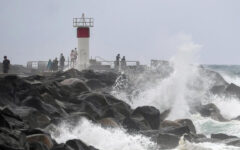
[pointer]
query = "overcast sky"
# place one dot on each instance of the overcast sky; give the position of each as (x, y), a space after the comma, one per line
(139, 29)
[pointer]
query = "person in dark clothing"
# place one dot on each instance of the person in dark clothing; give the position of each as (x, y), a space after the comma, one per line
(55, 64)
(62, 61)
(117, 62)
(6, 64)
(123, 63)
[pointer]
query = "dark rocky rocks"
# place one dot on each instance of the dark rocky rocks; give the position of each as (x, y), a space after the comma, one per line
(226, 90)
(108, 122)
(179, 131)
(164, 114)
(169, 123)
(12, 139)
(188, 123)
(95, 84)
(10, 120)
(37, 146)
(233, 90)
(220, 89)
(61, 147)
(221, 136)
(32, 116)
(32, 106)
(40, 138)
(108, 78)
(75, 84)
(38, 103)
(167, 141)
(77, 144)
(226, 139)
(136, 123)
(150, 114)
(211, 110)
(232, 142)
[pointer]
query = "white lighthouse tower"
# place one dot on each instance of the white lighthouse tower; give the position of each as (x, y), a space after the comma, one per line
(83, 34)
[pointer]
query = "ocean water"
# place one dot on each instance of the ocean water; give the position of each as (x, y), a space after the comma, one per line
(185, 86)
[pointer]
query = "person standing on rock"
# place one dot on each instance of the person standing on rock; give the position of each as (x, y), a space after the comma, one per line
(72, 58)
(49, 65)
(117, 62)
(6, 64)
(55, 64)
(123, 63)
(62, 61)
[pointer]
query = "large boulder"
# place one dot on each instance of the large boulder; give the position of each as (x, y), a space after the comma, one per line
(167, 141)
(102, 106)
(76, 144)
(151, 115)
(188, 123)
(49, 99)
(61, 147)
(95, 84)
(37, 103)
(118, 105)
(98, 100)
(108, 78)
(136, 123)
(76, 85)
(10, 85)
(10, 120)
(32, 116)
(12, 140)
(40, 138)
(232, 142)
(37, 146)
(169, 123)
(179, 131)
(211, 110)
(108, 122)
(222, 136)
(164, 114)
(233, 89)
(220, 89)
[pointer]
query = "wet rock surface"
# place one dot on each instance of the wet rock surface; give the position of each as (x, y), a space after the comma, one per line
(30, 106)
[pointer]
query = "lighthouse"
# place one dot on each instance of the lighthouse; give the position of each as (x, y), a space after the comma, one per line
(83, 34)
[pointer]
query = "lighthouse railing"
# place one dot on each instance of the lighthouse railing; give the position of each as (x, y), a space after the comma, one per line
(83, 22)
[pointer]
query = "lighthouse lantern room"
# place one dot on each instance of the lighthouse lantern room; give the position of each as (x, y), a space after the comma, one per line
(83, 34)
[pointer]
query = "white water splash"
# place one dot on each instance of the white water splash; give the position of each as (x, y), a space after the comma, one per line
(102, 138)
(208, 126)
(177, 90)
(185, 145)
(231, 78)
(119, 139)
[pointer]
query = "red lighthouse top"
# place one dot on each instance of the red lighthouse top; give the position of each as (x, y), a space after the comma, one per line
(83, 24)
(83, 32)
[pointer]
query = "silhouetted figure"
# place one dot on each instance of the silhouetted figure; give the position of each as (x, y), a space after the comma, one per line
(117, 62)
(72, 56)
(6, 64)
(55, 64)
(123, 63)
(62, 61)
(49, 65)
